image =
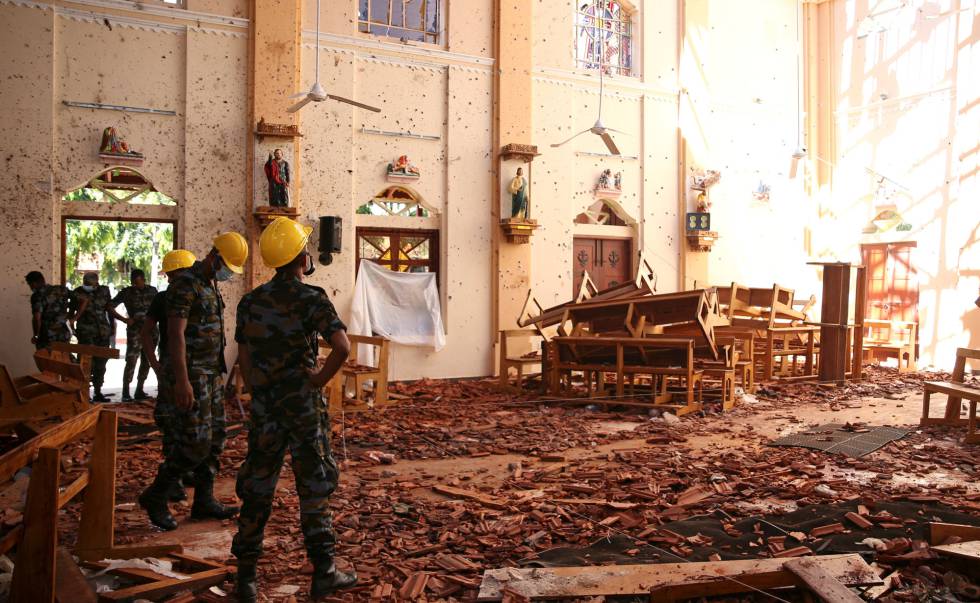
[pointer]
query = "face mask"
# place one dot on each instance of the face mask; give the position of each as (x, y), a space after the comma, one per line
(88, 288)
(310, 266)
(223, 274)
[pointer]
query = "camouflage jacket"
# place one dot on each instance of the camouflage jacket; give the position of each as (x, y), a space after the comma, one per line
(194, 297)
(279, 322)
(53, 303)
(136, 301)
(94, 321)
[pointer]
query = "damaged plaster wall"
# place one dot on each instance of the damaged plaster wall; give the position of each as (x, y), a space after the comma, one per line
(739, 116)
(126, 58)
(422, 89)
(906, 104)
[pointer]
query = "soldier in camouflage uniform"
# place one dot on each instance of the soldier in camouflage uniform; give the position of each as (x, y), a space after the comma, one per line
(92, 324)
(277, 328)
(195, 333)
(175, 263)
(51, 308)
(136, 298)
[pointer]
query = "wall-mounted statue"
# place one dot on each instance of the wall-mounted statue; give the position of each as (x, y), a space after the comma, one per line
(701, 181)
(608, 182)
(518, 195)
(115, 148)
(402, 169)
(277, 172)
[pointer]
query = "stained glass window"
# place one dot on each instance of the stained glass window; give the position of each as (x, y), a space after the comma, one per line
(416, 20)
(603, 37)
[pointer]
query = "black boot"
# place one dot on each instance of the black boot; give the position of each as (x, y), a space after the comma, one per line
(327, 579)
(154, 500)
(98, 397)
(245, 585)
(140, 394)
(177, 492)
(205, 506)
(125, 394)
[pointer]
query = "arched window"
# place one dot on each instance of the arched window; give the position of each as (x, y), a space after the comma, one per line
(119, 185)
(603, 37)
(605, 213)
(396, 201)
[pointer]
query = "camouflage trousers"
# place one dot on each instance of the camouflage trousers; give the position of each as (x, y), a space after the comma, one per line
(163, 415)
(198, 435)
(135, 353)
(98, 364)
(287, 415)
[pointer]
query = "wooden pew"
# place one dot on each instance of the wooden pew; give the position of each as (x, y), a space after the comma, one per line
(891, 338)
(26, 398)
(955, 391)
(662, 358)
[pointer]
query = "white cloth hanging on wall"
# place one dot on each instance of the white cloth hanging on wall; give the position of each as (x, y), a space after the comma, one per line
(400, 306)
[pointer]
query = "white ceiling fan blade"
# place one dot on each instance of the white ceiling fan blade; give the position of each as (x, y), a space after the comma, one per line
(299, 105)
(572, 138)
(617, 131)
(354, 102)
(606, 138)
(298, 94)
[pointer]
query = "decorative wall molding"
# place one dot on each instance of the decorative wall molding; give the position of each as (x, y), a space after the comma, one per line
(140, 16)
(373, 47)
(625, 87)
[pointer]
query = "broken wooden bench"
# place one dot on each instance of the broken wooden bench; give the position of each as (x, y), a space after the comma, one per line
(956, 390)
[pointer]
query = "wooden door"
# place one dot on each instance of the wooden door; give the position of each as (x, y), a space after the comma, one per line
(608, 261)
(893, 288)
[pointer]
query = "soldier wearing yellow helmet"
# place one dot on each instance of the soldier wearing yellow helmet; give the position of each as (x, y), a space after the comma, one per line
(195, 362)
(276, 329)
(174, 264)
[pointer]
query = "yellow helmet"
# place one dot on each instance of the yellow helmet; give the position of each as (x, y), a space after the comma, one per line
(233, 250)
(282, 241)
(177, 259)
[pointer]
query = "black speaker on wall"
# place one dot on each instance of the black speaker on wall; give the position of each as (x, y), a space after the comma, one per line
(330, 233)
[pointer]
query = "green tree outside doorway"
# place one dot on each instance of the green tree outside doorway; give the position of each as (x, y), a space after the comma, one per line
(115, 248)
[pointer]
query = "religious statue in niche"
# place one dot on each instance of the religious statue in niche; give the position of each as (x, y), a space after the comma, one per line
(701, 181)
(518, 195)
(609, 183)
(277, 172)
(114, 148)
(402, 169)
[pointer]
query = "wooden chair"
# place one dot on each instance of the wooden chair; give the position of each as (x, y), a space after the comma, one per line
(955, 391)
(360, 374)
(511, 358)
(891, 338)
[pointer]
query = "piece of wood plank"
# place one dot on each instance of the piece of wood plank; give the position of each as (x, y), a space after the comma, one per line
(962, 550)
(128, 552)
(97, 351)
(33, 580)
(676, 579)
(64, 432)
(70, 585)
(483, 499)
(72, 490)
(820, 581)
(940, 532)
(155, 591)
(96, 529)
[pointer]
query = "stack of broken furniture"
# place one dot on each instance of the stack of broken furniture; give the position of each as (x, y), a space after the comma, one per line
(783, 346)
(666, 343)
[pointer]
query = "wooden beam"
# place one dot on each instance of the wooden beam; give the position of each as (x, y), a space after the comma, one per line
(72, 490)
(820, 581)
(681, 580)
(96, 529)
(155, 591)
(70, 585)
(97, 351)
(939, 533)
(969, 551)
(33, 580)
(16, 459)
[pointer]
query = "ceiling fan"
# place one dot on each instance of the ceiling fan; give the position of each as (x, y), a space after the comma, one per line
(316, 92)
(598, 129)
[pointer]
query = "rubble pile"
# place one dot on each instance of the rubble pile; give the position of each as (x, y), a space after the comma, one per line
(458, 478)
